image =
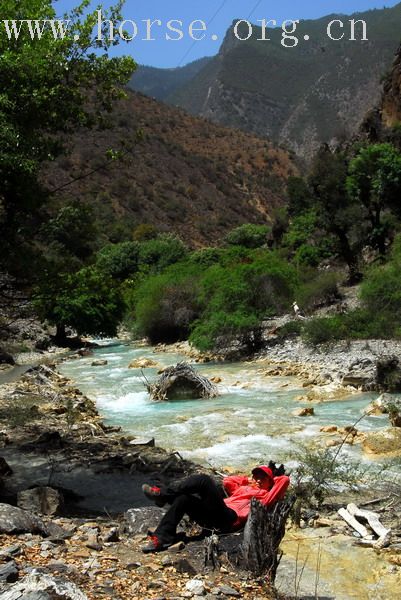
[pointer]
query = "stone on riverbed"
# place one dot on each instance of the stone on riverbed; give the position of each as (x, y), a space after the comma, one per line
(143, 363)
(329, 429)
(387, 404)
(138, 520)
(304, 412)
(38, 586)
(385, 442)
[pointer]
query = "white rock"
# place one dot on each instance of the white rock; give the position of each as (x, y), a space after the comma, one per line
(196, 587)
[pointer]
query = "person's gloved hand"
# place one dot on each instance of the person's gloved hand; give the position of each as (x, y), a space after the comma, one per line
(277, 471)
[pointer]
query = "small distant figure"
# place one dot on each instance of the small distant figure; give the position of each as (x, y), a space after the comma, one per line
(297, 311)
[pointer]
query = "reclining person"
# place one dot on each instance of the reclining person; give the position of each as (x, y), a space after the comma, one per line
(200, 498)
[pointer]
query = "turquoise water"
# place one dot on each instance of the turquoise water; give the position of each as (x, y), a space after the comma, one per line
(251, 420)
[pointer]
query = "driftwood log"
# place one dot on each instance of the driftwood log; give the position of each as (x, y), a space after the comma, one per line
(350, 515)
(181, 382)
(264, 530)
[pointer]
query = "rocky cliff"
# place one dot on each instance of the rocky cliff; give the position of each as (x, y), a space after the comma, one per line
(317, 92)
(383, 121)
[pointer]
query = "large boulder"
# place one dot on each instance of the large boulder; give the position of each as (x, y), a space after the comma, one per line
(39, 586)
(15, 520)
(6, 358)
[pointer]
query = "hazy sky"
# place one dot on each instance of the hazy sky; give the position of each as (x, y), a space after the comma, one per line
(218, 14)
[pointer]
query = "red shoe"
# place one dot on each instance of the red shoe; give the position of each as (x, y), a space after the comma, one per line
(154, 545)
(154, 493)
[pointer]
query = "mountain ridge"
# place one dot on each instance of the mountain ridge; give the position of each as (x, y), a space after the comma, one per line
(318, 92)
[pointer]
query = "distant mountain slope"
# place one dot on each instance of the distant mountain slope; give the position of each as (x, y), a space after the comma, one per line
(187, 176)
(317, 92)
(161, 83)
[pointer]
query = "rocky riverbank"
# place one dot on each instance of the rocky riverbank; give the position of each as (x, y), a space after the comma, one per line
(82, 516)
(350, 365)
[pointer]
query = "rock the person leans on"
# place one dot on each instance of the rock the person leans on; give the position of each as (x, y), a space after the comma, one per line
(200, 498)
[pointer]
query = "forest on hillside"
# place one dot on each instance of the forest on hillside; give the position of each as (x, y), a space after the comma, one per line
(340, 224)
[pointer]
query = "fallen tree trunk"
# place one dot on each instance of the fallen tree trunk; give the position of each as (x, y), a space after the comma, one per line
(352, 522)
(264, 530)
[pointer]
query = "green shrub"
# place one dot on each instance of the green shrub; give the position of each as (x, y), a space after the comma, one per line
(220, 324)
(119, 261)
(305, 242)
(212, 299)
(381, 295)
(291, 329)
(321, 471)
(158, 253)
(248, 235)
(319, 289)
(239, 295)
(206, 256)
(322, 330)
(88, 301)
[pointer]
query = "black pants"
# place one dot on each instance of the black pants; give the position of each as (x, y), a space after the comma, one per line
(198, 497)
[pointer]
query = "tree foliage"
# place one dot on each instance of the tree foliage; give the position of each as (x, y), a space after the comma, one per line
(158, 253)
(88, 301)
(374, 180)
(119, 261)
(48, 87)
(338, 214)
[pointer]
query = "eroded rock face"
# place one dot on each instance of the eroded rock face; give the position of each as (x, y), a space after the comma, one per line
(38, 586)
(388, 374)
(41, 500)
(357, 380)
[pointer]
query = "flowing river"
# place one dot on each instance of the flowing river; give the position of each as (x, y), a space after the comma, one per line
(250, 422)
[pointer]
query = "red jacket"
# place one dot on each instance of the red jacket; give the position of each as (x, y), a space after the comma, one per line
(241, 492)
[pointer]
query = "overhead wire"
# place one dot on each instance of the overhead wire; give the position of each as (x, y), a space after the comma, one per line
(220, 8)
(222, 5)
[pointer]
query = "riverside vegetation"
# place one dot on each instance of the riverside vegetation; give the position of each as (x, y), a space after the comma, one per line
(338, 224)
